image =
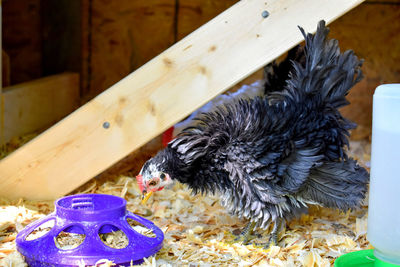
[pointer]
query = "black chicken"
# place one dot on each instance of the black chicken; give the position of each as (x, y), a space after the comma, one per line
(270, 157)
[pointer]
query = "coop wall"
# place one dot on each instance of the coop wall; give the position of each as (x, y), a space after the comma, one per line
(104, 41)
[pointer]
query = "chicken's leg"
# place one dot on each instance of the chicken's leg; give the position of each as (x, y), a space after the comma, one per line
(276, 234)
(246, 234)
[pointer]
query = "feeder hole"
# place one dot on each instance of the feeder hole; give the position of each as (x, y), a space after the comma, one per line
(41, 230)
(70, 238)
(140, 228)
(113, 237)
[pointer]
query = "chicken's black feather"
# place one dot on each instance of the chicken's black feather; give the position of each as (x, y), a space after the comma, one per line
(276, 75)
(271, 156)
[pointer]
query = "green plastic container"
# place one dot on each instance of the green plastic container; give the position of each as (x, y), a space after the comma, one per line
(362, 258)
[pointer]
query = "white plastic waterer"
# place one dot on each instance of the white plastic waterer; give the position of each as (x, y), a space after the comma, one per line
(384, 198)
(384, 190)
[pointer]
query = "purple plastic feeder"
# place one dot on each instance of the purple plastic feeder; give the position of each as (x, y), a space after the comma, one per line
(89, 215)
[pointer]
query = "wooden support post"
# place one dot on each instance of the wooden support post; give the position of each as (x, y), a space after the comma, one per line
(207, 62)
(5, 69)
(1, 83)
(38, 104)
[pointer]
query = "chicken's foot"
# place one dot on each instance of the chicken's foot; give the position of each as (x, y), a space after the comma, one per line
(276, 234)
(246, 234)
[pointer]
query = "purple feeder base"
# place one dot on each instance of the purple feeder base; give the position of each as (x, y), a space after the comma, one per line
(89, 215)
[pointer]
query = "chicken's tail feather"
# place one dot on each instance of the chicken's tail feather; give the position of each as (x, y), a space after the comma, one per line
(341, 185)
(276, 74)
(327, 74)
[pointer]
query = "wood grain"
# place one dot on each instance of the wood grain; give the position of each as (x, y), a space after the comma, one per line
(372, 31)
(123, 35)
(159, 94)
(194, 13)
(38, 104)
(22, 39)
(61, 36)
(5, 69)
(1, 81)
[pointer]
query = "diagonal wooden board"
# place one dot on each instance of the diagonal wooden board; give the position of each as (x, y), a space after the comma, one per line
(159, 94)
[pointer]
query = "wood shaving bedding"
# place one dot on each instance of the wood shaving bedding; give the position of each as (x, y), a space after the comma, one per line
(199, 232)
(116, 239)
(66, 240)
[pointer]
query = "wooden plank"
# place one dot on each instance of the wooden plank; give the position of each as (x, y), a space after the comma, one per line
(192, 14)
(36, 105)
(162, 92)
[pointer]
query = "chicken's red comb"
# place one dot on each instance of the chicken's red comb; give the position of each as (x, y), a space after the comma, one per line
(139, 179)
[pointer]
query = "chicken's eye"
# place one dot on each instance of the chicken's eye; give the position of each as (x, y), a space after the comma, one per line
(153, 183)
(162, 175)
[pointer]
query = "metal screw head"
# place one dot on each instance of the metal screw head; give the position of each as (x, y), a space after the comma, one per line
(106, 125)
(265, 14)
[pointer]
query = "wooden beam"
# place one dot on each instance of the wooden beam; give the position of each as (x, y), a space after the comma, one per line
(160, 93)
(36, 105)
(5, 69)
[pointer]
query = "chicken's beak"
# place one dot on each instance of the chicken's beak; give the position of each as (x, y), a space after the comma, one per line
(146, 196)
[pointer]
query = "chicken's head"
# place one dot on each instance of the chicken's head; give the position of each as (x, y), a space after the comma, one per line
(151, 179)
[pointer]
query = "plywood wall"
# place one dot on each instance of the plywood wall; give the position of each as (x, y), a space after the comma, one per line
(40, 38)
(194, 13)
(372, 30)
(120, 36)
(22, 41)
